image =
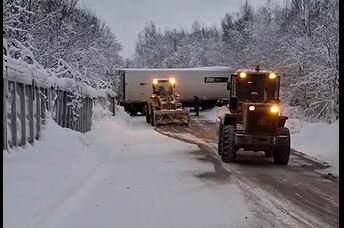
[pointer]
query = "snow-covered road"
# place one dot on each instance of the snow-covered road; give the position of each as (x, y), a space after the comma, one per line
(120, 174)
(124, 173)
(297, 195)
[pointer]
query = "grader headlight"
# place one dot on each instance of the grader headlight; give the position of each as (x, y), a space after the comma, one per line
(242, 74)
(172, 81)
(272, 76)
(155, 81)
(251, 108)
(274, 109)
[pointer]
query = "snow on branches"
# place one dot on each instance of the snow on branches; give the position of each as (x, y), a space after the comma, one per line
(298, 38)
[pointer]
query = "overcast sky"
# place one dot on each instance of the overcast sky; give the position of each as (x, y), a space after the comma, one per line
(127, 17)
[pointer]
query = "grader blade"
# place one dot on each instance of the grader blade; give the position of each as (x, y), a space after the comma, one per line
(175, 117)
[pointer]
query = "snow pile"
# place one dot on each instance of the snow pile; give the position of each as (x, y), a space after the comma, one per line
(295, 125)
(100, 110)
(321, 141)
(42, 176)
(213, 113)
(117, 171)
(121, 115)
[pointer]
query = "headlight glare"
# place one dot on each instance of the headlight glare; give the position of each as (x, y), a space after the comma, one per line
(274, 109)
(251, 108)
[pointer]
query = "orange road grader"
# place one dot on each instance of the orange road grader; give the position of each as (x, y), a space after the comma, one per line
(164, 107)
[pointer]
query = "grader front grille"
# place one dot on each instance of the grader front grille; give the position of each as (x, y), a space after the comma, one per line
(168, 106)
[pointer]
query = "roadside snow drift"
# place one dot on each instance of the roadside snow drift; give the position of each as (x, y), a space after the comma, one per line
(120, 174)
(319, 140)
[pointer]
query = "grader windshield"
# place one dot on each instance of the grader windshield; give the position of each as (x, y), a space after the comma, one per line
(163, 87)
(255, 86)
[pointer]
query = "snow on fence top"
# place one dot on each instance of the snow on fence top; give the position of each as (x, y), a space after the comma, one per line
(20, 71)
(214, 68)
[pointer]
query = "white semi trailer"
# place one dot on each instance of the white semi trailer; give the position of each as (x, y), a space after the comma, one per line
(207, 83)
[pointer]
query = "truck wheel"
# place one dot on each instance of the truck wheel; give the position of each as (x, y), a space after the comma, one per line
(220, 143)
(269, 153)
(282, 153)
(133, 113)
(148, 120)
(228, 150)
(152, 118)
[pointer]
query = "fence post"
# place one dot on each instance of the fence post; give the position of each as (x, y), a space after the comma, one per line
(50, 93)
(14, 114)
(67, 112)
(64, 106)
(70, 116)
(38, 112)
(79, 120)
(86, 114)
(21, 90)
(58, 114)
(90, 100)
(4, 116)
(44, 101)
(83, 115)
(30, 95)
(113, 106)
(56, 104)
(60, 101)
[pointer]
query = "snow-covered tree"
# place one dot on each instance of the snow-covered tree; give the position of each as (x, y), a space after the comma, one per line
(298, 38)
(48, 31)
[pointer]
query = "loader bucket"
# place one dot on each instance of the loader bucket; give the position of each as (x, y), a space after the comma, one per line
(174, 117)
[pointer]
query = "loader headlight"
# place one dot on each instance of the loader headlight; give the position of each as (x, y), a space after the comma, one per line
(274, 109)
(251, 108)
(155, 81)
(242, 74)
(172, 81)
(272, 76)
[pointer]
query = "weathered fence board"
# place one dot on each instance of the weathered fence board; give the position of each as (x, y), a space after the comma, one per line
(21, 92)
(13, 90)
(30, 95)
(38, 112)
(24, 107)
(4, 116)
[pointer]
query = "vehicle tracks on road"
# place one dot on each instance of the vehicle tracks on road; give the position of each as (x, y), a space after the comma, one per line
(297, 195)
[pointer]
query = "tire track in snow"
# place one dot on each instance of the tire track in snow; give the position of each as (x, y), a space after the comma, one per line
(288, 211)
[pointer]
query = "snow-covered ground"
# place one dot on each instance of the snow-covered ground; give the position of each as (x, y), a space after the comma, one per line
(318, 140)
(120, 174)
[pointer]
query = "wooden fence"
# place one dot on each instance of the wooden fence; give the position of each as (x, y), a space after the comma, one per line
(24, 111)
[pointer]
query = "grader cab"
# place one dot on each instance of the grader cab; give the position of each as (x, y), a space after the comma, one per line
(254, 120)
(164, 107)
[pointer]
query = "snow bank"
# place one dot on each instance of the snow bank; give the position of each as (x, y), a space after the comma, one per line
(212, 114)
(100, 110)
(119, 170)
(39, 178)
(319, 140)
